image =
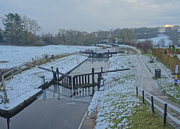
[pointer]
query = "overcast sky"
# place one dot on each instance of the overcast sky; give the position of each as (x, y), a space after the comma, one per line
(93, 15)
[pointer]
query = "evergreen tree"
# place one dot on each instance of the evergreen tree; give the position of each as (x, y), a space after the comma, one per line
(20, 30)
(13, 28)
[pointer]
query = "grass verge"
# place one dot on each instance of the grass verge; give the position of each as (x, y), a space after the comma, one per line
(143, 118)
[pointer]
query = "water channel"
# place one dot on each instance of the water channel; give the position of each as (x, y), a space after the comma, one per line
(54, 108)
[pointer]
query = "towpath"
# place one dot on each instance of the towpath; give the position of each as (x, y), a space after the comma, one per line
(146, 82)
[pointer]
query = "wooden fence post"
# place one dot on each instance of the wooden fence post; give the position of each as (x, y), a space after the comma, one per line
(92, 75)
(88, 79)
(79, 80)
(74, 81)
(101, 69)
(143, 95)
(93, 91)
(85, 79)
(165, 113)
(137, 91)
(152, 103)
(70, 80)
(99, 80)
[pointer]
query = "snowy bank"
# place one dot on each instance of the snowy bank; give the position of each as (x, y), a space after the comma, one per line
(24, 85)
(118, 100)
(116, 104)
(15, 56)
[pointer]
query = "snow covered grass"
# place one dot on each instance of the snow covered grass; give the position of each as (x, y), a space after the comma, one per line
(157, 40)
(117, 104)
(166, 82)
(24, 85)
(15, 56)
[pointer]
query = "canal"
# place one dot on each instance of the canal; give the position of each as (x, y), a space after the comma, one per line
(54, 108)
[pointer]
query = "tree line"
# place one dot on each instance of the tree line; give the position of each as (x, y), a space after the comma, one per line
(173, 34)
(21, 30)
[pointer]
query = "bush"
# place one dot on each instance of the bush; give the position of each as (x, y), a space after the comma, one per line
(167, 60)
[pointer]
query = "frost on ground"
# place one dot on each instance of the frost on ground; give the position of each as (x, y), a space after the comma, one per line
(116, 103)
(166, 82)
(24, 85)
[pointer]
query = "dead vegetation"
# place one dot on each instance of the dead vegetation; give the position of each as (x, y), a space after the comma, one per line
(33, 63)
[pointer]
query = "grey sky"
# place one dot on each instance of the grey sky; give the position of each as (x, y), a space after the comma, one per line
(93, 15)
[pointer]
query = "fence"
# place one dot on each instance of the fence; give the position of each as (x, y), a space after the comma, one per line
(167, 114)
(7, 76)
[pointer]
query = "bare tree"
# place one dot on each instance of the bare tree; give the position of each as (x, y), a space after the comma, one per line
(162, 42)
(30, 25)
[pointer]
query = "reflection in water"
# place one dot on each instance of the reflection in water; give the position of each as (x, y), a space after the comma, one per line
(44, 94)
(51, 92)
(58, 92)
(8, 122)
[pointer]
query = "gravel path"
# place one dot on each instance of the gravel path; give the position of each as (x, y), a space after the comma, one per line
(149, 85)
(147, 82)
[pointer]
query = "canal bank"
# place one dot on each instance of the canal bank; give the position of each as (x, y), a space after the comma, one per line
(83, 68)
(10, 113)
